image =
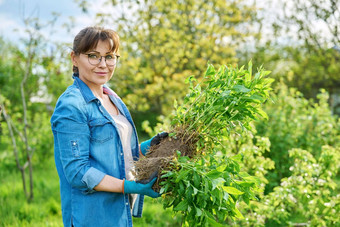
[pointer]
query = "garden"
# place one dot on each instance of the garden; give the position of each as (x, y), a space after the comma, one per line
(250, 100)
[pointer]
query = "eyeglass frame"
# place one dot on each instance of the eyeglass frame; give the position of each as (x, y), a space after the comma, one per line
(100, 59)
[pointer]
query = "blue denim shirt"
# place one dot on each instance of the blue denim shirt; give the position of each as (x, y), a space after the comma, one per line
(87, 146)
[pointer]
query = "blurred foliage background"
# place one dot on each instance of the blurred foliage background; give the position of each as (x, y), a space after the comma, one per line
(295, 153)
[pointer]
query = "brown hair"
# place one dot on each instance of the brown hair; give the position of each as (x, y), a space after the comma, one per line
(88, 38)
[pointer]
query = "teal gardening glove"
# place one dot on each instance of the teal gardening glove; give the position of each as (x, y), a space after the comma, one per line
(132, 187)
(145, 146)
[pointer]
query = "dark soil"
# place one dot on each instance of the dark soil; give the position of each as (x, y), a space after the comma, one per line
(160, 156)
(168, 147)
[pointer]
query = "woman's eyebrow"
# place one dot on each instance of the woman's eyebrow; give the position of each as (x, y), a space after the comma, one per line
(94, 51)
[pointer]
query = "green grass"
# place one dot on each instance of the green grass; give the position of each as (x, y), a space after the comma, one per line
(45, 209)
(155, 215)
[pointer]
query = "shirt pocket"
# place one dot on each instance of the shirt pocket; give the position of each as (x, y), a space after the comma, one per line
(101, 130)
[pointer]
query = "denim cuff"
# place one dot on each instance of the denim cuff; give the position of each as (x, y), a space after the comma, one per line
(92, 178)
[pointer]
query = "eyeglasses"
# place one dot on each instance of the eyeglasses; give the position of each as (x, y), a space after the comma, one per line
(95, 59)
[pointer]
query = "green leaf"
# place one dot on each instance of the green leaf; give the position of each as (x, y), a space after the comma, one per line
(225, 94)
(195, 190)
(265, 73)
(198, 212)
(238, 214)
(217, 182)
(190, 79)
(162, 190)
(232, 190)
(245, 183)
(188, 194)
(248, 178)
(237, 158)
(220, 215)
(165, 188)
(211, 220)
(181, 175)
(254, 98)
(221, 168)
(175, 104)
(206, 185)
(269, 81)
(183, 159)
(225, 196)
(168, 201)
(250, 68)
(241, 88)
(246, 199)
(173, 134)
(214, 174)
(181, 189)
(182, 206)
(244, 174)
(210, 70)
(262, 114)
(197, 180)
(168, 174)
(257, 75)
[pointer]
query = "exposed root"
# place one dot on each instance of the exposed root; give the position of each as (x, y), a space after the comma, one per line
(160, 156)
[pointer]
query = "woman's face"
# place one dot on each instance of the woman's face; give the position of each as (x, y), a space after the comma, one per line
(91, 74)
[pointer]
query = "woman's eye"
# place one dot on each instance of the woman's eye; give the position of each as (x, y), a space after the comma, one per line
(109, 57)
(93, 56)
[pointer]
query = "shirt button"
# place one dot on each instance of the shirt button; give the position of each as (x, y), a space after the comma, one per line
(127, 204)
(121, 153)
(74, 143)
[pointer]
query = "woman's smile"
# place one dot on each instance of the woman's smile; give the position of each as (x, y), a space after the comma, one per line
(101, 73)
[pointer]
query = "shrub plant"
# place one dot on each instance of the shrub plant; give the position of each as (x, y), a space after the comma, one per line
(194, 174)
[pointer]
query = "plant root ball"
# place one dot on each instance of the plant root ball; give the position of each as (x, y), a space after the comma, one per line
(159, 157)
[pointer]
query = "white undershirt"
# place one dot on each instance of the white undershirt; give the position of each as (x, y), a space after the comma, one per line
(125, 133)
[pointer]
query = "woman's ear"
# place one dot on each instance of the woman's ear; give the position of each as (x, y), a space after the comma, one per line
(74, 59)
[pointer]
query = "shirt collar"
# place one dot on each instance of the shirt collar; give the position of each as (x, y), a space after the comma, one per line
(84, 89)
(109, 92)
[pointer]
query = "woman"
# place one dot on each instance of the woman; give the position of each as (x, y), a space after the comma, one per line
(95, 140)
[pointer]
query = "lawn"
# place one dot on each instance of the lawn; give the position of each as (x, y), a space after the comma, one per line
(45, 209)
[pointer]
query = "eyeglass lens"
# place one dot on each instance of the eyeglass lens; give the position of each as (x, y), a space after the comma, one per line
(95, 59)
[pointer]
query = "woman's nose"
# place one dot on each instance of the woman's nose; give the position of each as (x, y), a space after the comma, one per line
(102, 62)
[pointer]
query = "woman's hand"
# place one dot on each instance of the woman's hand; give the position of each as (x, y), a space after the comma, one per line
(145, 146)
(132, 187)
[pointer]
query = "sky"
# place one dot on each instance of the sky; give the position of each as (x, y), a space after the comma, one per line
(13, 12)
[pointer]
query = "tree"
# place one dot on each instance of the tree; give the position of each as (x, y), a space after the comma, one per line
(27, 75)
(317, 24)
(163, 42)
(22, 133)
(302, 45)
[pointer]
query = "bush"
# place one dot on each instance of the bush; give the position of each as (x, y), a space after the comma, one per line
(295, 122)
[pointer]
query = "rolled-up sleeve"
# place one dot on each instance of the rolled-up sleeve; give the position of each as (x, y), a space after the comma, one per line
(69, 124)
